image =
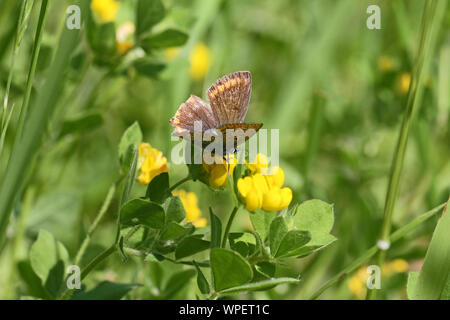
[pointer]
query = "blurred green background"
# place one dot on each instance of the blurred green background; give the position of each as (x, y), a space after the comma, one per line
(334, 88)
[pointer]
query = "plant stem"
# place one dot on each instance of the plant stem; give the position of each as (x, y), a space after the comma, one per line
(32, 71)
(423, 56)
(395, 236)
(94, 225)
(102, 256)
(228, 227)
(176, 185)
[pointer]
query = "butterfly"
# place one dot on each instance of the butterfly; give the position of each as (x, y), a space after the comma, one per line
(223, 117)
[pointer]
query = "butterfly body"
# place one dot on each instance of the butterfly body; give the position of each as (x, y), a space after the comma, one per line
(223, 117)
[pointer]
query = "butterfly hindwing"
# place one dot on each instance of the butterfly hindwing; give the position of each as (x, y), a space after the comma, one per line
(229, 97)
(194, 109)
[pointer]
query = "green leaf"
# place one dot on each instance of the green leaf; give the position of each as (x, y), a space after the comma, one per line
(314, 215)
(48, 259)
(132, 136)
(189, 246)
(411, 285)
(101, 37)
(319, 240)
(105, 291)
(446, 292)
(129, 168)
(260, 285)
(165, 39)
(81, 124)
(216, 229)
(32, 281)
(139, 211)
(148, 13)
(242, 242)
(266, 268)
(261, 221)
(173, 231)
(229, 269)
(436, 267)
(292, 242)
(175, 210)
(158, 188)
(148, 68)
(202, 283)
(176, 283)
(278, 229)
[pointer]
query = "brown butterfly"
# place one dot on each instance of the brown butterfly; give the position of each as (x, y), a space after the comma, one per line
(229, 98)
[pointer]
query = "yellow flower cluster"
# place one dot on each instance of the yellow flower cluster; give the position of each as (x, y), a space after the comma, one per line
(199, 59)
(190, 205)
(123, 35)
(151, 162)
(357, 283)
(220, 170)
(264, 190)
(106, 10)
(403, 83)
(385, 64)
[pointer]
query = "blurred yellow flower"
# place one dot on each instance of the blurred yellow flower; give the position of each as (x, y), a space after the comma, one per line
(190, 204)
(395, 266)
(264, 191)
(151, 162)
(220, 170)
(171, 53)
(123, 37)
(385, 64)
(403, 83)
(357, 283)
(105, 9)
(200, 60)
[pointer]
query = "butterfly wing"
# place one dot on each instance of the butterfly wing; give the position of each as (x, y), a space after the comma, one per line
(238, 133)
(229, 97)
(194, 109)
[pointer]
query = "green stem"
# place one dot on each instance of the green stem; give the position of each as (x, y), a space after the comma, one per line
(176, 185)
(395, 236)
(228, 227)
(95, 224)
(423, 57)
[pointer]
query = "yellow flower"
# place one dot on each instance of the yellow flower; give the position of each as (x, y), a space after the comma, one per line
(264, 191)
(151, 163)
(403, 83)
(106, 9)
(190, 204)
(259, 164)
(123, 35)
(395, 266)
(385, 63)
(171, 53)
(220, 170)
(200, 60)
(357, 283)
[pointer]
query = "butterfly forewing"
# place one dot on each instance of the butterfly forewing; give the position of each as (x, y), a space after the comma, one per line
(229, 97)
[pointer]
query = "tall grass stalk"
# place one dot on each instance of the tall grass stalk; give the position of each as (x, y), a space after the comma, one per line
(431, 22)
(395, 236)
(25, 11)
(36, 124)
